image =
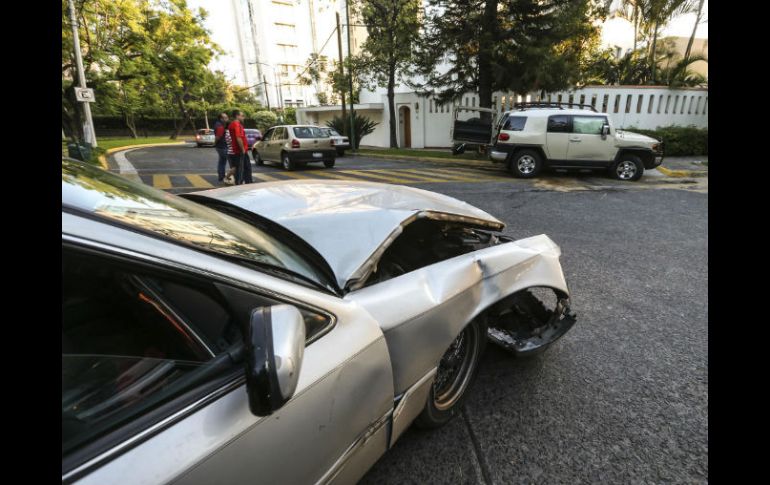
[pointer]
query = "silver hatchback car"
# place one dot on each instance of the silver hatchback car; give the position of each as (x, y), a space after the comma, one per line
(283, 332)
(295, 145)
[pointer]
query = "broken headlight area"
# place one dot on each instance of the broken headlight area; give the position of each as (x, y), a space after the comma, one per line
(529, 321)
(426, 242)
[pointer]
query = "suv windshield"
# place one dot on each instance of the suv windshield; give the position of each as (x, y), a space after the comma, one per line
(308, 132)
(134, 204)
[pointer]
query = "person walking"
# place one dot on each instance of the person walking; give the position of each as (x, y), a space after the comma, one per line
(240, 149)
(220, 144)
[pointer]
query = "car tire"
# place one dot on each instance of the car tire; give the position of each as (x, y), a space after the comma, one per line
(329, 163)
(287, 163)
(257, 158)
(454, 377)
(628, 168)
(340, 152)
(526, 164)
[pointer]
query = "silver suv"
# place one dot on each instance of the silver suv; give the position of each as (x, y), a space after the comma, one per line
(535, 136)
(295, 145)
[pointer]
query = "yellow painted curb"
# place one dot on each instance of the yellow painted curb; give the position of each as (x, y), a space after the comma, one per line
(103, 157)
(681, 173)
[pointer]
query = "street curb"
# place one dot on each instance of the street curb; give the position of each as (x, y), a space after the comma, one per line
(103, 157)
(682, 173)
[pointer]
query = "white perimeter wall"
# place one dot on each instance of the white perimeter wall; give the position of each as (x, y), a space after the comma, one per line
(627, 106)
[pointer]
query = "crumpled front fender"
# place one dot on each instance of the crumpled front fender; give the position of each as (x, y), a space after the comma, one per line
(422, 312)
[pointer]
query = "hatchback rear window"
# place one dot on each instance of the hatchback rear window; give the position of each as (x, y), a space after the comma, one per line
(515, 123)
(308, 132)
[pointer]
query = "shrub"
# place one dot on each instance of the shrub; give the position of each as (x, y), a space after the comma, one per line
(264, 120)
(680, 140)
(363, 126)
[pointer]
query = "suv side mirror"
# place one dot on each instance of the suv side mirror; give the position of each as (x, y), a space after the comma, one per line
(605, 131)
(274, 347)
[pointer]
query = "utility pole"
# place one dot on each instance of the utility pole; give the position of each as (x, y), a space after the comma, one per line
(350, 74)
(267, 98)
(342, 68)
(254, 39)
(90, 134)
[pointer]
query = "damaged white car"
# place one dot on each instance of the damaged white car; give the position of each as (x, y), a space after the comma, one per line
(284, 332)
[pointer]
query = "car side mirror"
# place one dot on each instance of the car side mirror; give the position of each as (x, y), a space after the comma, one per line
(274, 347)
(605, 131)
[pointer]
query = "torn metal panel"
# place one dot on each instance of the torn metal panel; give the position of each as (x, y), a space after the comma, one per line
(437, 301)
(349, 223)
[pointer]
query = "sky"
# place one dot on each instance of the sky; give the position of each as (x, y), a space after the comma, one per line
(615, 31)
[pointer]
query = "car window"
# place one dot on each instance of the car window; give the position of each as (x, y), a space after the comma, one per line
(334, 133)
(141, 207)
(135, 337)
(268, 134)
(308, 132)
(125, 349)
(280, 134)
(588, 125)
(558, 124)
(515, 123)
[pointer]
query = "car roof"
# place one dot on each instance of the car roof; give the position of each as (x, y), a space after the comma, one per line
(545, 112)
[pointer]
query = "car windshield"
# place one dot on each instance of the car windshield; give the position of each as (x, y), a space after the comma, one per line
(309, 132)
(134, 204)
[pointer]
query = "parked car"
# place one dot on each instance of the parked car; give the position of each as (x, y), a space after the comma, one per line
(204, 137)
(253, 135)
(295, 145)
(340, 142)
(283, 332)
(537, 136)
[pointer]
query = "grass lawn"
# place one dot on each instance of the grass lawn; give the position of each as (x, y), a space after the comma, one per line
(447, 153)
(109, 142)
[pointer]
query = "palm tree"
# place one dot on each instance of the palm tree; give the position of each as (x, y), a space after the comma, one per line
(694, 28)
(655, 14)
(680, 75)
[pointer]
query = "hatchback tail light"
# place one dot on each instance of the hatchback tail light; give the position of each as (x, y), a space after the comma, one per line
(503, 137)
(295, 143)
(197, 137)
(331, 142)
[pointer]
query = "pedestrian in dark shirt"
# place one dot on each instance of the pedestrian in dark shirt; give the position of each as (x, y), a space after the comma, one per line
(220, 145)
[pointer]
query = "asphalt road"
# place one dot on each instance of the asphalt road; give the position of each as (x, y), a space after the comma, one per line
(623, 397)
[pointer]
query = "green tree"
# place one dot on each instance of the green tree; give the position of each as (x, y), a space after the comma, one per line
(508, 45)
(393, 28)
(655, 15)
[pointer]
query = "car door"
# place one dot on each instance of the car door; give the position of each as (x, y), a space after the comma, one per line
(264, 145)
(137, 324)
(557, 137)
(587, 146)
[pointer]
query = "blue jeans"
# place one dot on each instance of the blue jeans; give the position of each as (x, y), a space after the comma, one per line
(222, 152)
(242, 165)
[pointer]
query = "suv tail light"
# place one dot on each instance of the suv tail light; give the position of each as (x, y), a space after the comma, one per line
(295, 143)
(503, 137)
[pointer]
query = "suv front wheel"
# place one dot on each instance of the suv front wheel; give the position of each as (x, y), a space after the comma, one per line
(526, 164)
(628, 167)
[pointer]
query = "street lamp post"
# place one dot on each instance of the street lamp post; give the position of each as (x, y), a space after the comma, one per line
(90, 136)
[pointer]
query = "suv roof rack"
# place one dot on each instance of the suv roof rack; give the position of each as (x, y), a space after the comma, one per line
(545, 104)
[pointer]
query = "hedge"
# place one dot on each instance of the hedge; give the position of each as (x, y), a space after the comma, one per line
(680, 141)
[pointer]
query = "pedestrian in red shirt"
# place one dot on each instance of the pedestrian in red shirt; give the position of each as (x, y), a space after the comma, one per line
(239, 158)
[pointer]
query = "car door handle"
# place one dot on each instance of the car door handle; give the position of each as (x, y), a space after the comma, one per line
(576, 140)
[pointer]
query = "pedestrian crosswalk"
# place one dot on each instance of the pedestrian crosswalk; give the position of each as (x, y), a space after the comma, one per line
(406, 176)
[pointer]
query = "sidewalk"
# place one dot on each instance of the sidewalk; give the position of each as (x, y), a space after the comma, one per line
(685, 166)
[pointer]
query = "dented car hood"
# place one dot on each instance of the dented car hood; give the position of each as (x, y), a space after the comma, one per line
(349, 223)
